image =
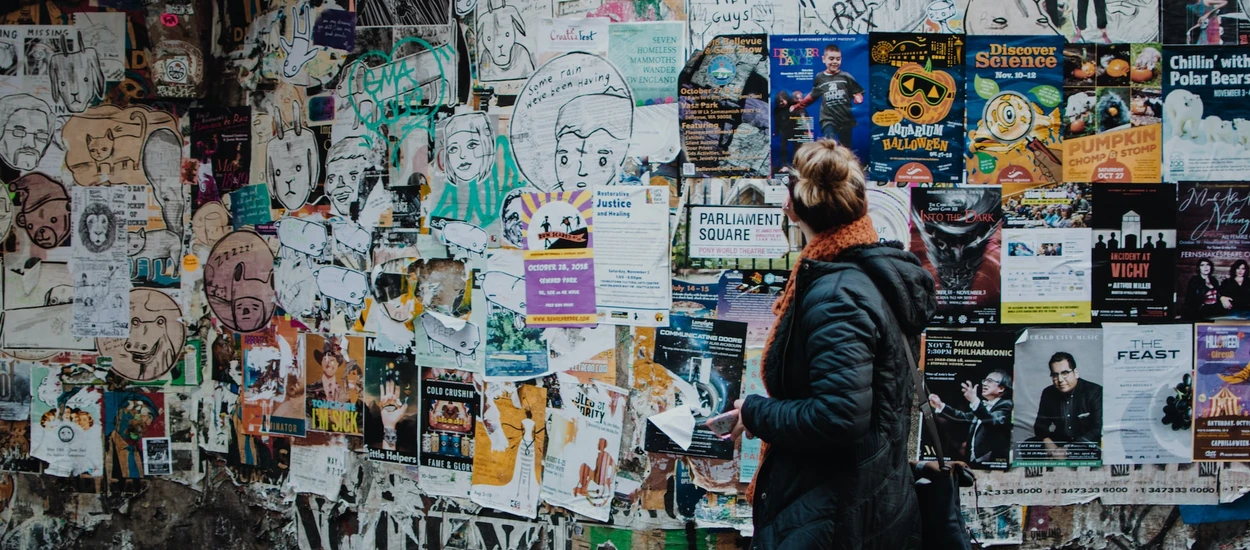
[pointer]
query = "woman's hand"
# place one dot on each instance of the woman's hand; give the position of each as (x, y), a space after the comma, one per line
(739, 428)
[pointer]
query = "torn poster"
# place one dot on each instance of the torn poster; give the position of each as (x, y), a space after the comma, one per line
(583, 446)
(15, 394)
(318, 469)
(66, 425)
(100, 265)
(391, 407)
(705, 359)
(105, 32)
(514, 351)
(559, 259)
(508, 456)
(158, 458)
(449, 411)
(632, 268)
(335, 374)
(273, 380)
(1149, 388)
(889, 207)
(585, 353)
(129, 418)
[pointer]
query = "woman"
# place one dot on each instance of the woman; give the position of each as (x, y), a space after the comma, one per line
(835, 472)
(1235, 290)
(1202, 294)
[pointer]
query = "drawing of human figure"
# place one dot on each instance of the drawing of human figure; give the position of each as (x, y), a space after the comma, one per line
(26, 122)
(592, 137)
(524, 476)
(1100, 15)
(346, 163)
(546, 225)
(466, 155)
(594, 481)
(135, 413)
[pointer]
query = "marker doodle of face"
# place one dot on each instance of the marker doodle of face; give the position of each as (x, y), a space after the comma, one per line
(293, 163)
(572, 123)
(26, 126)
(468, 152)
(345, 168)
(592, 137)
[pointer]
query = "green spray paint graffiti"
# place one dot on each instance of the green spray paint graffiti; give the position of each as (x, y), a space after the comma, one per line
(483, 198)
(395, 96)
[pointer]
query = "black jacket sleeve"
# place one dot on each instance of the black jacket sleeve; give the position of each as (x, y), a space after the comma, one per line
(1092, 431)
(840, 347)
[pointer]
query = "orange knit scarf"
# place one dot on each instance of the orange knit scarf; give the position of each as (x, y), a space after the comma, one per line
(823, 248)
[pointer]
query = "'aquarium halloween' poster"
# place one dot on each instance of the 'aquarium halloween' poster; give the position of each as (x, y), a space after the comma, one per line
(918, 107)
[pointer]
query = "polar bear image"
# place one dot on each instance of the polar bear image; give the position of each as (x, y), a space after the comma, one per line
(1217, 130)
(1183, 110)
(1242, 127)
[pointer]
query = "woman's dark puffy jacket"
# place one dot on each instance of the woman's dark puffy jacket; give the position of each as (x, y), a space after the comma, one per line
(836, 474)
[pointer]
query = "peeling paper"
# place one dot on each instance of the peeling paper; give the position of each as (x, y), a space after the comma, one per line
(318, 470)
(677, 423)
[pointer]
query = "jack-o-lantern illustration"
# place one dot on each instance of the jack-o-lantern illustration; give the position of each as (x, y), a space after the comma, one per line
(922, 96)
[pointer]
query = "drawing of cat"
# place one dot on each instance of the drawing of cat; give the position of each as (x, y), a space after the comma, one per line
(161, 244)
(101, 147)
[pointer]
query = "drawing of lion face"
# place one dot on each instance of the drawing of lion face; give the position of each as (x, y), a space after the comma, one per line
(96, 228)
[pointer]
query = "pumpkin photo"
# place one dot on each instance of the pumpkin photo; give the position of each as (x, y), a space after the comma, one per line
(923, 97)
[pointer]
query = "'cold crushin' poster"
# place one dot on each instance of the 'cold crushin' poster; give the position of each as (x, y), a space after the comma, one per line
(1014, 91)
(449, 410)
(818, 87)
(918, 107)
(1205, 125)
(955, 233)
(1220, 393)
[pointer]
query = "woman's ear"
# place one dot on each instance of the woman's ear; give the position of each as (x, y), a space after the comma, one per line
(788, 208)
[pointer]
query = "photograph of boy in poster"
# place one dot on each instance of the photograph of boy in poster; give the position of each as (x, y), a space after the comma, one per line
(988, 415)
(837, 90)
(1058, 415)
(336, 376)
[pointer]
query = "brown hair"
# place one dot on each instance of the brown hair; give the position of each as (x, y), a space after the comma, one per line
(827, 185)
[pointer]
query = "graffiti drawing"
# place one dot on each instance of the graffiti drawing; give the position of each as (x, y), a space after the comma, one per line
(501, 54)
(162, 245)
(345, 285)
(302, 235)
(26, 122)
(295, 281)
(463, 341)
(464, 239)
(210, 223)
(96, 227)
(157, 337)
(299, 50)
(346, 164)
(77, 79)
(403, 12)
(1111, 21)
(238, 280)
(43, 209)
(467, 148)
(862, 16)
(105, 145)
(292, 165)
(162, 160)
(572, 124)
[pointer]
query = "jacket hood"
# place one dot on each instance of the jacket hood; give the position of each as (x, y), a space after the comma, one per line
(906, 285)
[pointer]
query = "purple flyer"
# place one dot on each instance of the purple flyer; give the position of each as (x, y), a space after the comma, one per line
(559, 259)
